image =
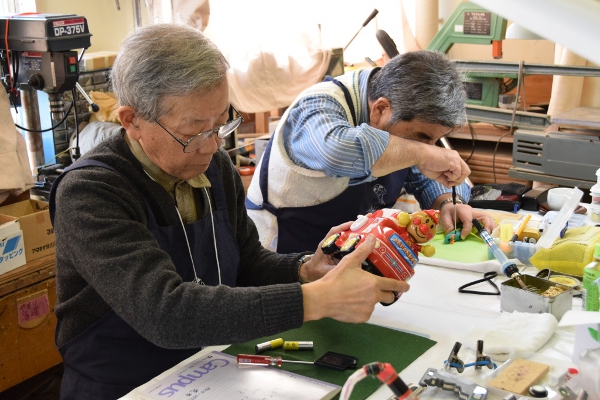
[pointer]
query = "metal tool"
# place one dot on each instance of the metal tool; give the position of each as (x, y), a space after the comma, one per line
(463, 388)
(369, 18)
(253, 359)
(453, 361)
(448, 146)
(94, 106)
(482, 359)
(454, 203)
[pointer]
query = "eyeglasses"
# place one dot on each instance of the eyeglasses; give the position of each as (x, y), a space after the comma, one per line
(196, 141)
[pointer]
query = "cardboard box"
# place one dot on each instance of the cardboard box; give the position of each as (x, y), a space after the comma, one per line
(34, 219)
(27, 325)
(587, 329)
(97, 60)
(12, 248)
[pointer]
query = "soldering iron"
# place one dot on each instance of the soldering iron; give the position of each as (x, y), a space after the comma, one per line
(508, 267)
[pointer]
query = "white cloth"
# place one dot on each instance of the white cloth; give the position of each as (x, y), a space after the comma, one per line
(15, 173)
(513, 334)
(484, 266)
(272, 59)
(94, 133)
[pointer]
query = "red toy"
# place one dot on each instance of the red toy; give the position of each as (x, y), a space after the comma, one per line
(398, 240)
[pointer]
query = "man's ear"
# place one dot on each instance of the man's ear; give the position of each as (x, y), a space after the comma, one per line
(380, 112)
(130, 121)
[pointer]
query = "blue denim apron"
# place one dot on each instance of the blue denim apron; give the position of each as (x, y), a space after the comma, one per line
(109, 359)
(303, 228)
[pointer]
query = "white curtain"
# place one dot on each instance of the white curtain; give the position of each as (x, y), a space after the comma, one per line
(274, 54)
(276, 50)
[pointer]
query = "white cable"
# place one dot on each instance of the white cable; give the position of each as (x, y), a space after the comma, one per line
(196, 279)
(212, 219)
(352, 380)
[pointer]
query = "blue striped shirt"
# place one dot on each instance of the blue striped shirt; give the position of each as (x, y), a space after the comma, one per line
(318, 136)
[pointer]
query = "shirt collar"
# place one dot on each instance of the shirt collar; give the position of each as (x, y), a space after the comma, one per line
(161, 177)
(363, 87)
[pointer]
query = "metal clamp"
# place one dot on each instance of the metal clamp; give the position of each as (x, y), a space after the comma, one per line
(482, 359)
(453, 361)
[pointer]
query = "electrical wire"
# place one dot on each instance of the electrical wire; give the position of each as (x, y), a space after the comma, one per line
(353, 379)
(472, 141)
(59, 123)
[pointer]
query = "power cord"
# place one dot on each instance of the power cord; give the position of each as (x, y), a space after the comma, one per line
(472, 142)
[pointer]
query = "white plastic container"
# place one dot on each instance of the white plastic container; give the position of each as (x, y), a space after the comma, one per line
(595, 194)
(595, 213)
(553, 232)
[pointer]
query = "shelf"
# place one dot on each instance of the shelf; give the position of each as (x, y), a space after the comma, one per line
(488, 164)
(483, 132)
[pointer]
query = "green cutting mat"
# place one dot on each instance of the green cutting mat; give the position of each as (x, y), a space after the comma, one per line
(471, 250)
(369, 343)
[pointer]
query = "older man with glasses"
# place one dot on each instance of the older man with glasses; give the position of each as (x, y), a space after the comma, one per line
(155, 254)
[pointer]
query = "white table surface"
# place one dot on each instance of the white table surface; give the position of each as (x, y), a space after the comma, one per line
(435, 308)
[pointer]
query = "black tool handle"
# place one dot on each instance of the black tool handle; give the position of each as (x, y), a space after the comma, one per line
(370, 17)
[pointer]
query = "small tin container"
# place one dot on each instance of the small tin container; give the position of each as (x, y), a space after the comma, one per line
(297, 345)
(515, 298)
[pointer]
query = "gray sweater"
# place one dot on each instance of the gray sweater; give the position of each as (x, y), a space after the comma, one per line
(106, 258)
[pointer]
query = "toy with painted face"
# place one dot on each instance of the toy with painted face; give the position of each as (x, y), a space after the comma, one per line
(420, 227)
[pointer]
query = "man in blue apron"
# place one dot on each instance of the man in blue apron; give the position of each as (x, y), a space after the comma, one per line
(347, 146)
(155, 254)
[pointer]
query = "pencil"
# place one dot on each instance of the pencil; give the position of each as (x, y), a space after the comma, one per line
(522, 226)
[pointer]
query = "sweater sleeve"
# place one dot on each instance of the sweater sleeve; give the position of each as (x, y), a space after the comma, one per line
(107, 256)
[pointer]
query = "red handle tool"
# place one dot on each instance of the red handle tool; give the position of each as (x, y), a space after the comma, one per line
(254, 359)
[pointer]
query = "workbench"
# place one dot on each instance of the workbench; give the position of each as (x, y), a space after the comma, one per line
(27, 321)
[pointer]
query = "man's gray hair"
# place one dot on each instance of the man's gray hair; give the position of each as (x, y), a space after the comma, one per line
(423, 85)
(163, 60)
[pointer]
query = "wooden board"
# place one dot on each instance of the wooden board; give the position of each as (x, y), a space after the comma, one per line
(583, 117)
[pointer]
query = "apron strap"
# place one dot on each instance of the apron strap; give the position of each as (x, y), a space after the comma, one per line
(264, 169)
(346, 96)
(263, 180)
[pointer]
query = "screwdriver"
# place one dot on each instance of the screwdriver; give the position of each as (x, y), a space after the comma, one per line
(253, 359)
(454, 203)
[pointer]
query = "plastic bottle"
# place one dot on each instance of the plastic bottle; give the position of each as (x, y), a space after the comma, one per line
(591, 273)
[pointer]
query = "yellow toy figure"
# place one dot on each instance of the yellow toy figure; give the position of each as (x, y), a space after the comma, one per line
(419, 227)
